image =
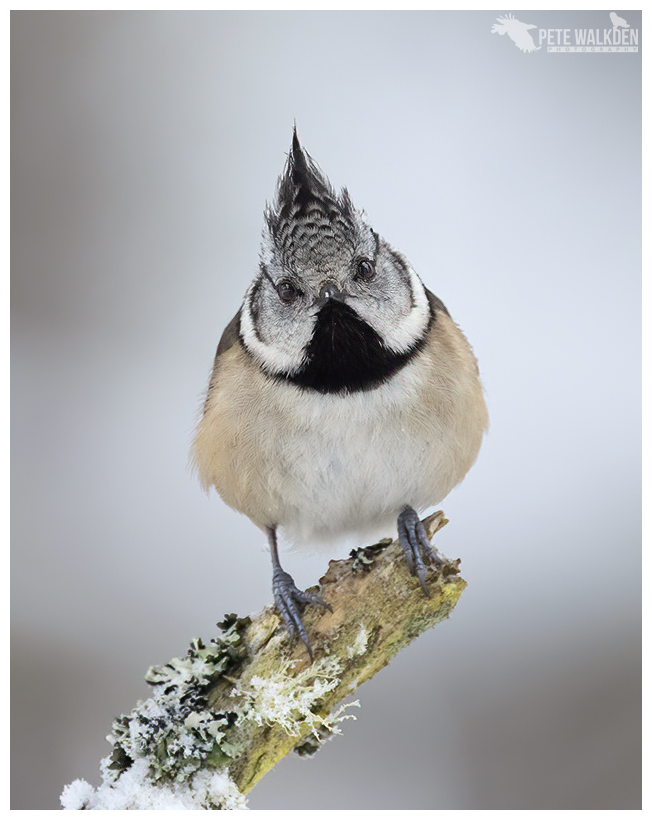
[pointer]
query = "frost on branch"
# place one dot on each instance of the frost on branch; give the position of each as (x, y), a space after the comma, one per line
(224, 714)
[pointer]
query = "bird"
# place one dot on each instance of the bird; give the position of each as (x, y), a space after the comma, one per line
(343, 400)
(617, 21)
(516, 31)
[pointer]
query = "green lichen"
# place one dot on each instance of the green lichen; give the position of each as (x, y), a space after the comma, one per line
(174, 730)
(363, 558)
(182, 729)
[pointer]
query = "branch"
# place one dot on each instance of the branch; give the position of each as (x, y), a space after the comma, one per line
(221, 717)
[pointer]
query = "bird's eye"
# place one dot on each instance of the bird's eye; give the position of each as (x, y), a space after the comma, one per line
(365, 271)
(286, 291)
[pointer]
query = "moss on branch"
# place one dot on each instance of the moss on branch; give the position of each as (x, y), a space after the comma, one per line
(222, 716)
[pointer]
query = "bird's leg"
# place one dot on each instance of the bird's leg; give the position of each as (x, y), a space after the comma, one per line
(413, 538)
(287, 596)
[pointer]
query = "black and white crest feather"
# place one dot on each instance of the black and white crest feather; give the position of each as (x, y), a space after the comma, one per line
(308, 221)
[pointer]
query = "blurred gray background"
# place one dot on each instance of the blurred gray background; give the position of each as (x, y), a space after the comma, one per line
(145, 145)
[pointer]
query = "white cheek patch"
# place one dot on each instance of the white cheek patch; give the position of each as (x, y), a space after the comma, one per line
(283, 353)
(400, 335)
(275, 358)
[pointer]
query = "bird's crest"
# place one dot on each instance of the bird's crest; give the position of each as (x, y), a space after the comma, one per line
(307, 212)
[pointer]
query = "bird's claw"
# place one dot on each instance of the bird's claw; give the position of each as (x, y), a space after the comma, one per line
(288, 598)
(416, 545)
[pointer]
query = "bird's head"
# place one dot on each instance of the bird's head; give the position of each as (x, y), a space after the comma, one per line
(332, 303)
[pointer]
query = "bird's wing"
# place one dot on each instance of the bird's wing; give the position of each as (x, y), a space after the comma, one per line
(230, 337)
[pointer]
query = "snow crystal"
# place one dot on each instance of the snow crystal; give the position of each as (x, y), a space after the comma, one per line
(135, 790)
(77, 795)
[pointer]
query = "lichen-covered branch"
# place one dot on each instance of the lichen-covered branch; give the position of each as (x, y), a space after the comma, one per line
(222, 716)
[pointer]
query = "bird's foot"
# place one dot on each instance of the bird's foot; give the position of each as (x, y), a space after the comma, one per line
(412, 536)
(288, 599)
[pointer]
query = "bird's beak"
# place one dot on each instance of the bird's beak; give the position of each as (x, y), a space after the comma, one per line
(329, 292)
